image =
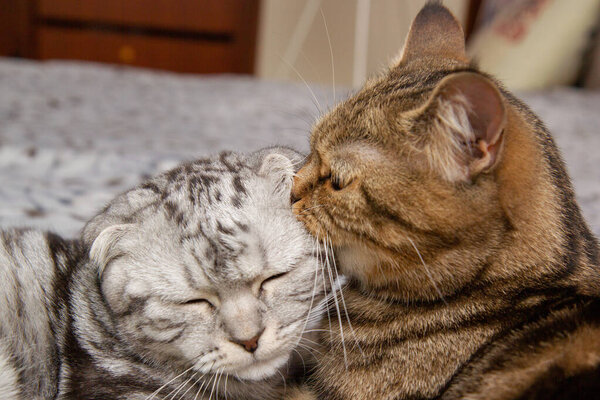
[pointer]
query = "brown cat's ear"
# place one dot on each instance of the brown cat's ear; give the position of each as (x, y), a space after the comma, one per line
(436, 32)
(467, 116)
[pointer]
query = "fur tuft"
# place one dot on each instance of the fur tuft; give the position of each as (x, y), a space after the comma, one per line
(452, 138)
(8, 379)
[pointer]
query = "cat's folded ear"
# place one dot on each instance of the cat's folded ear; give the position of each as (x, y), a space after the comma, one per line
(279, 169)
(465, 119)
(105, 247)
(434, 32)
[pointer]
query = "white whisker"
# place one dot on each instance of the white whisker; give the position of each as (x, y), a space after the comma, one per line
(166, 384)
(335, 299)
(331, 54)
(344, 305)
(427, 271)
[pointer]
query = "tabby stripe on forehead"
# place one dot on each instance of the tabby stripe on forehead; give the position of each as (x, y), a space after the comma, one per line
(428, 82)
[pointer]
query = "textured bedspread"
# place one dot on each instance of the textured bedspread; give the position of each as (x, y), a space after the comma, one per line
(73, 135)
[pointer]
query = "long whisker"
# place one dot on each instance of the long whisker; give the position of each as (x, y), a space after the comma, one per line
(318, 104)
(175, 391)
(192, 386)
(219, 383)
(310, 307)
(427, 271)
(325, 288)
(218, 374)
(335, 299)
(166, 384)
(204, 383)
(337, 277)
(283, 379)
(331, 53)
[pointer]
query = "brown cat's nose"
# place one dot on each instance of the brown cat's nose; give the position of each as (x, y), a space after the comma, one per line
(250, 344)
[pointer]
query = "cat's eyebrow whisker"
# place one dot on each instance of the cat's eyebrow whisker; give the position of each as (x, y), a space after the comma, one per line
(427, 271)
(337, 277)
(317, 104)
(330, 53)
(337, 306)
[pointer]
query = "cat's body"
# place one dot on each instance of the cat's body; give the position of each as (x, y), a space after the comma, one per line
(472, 274)
(32, 269)
(196, 284)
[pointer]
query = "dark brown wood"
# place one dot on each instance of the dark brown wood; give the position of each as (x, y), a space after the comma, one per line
(245, 35)
(198, 36)
(191, 15)
(15, 28)
(154, 52)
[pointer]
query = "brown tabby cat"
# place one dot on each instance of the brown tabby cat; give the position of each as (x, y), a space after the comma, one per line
(472, 274)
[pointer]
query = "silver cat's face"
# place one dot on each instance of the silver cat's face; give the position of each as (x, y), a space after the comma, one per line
(222, 284)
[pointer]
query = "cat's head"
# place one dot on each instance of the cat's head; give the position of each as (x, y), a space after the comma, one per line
(426, 168)
(206, 267)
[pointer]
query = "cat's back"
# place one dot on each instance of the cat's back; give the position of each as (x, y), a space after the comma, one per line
(32, 270)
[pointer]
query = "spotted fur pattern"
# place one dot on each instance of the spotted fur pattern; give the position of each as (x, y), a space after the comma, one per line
(197, 284)
(472, 274)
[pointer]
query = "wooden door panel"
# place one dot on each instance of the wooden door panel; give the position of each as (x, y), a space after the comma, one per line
(205, 15)
(156, 52)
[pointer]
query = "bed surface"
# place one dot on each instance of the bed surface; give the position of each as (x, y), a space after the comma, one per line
(74, 135)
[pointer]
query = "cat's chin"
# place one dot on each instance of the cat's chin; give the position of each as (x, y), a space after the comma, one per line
(262, 369)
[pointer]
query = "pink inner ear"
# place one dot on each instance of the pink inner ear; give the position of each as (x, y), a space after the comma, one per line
(486, 113)
(475, 97)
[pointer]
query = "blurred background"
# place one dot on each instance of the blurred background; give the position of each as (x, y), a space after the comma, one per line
(527, 43)
(96, 95)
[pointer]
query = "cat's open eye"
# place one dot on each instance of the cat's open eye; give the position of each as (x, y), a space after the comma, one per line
(271, 279)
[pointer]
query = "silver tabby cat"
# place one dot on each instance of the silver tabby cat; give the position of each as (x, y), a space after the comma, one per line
(197, 284)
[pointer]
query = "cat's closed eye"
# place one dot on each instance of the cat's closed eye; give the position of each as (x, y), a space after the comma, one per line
(336, 183)
(271, 279)
(197, 301)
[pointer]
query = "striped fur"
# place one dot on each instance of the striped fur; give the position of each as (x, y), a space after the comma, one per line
(197, 284)
(472, 274)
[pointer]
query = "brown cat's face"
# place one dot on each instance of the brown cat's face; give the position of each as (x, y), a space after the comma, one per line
(401, 174)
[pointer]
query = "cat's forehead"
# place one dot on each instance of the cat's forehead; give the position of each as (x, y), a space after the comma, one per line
(381, 105)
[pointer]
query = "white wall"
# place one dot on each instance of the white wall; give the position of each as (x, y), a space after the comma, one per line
(388, 25)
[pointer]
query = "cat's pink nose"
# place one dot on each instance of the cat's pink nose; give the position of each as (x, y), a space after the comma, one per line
(250, 344)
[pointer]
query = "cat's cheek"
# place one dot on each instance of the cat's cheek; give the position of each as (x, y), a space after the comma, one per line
(303, 214)
(354, 260)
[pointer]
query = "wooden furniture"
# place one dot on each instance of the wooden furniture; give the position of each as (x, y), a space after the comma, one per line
(198, 36)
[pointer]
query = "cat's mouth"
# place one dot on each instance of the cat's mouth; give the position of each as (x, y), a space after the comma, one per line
(260, 369)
